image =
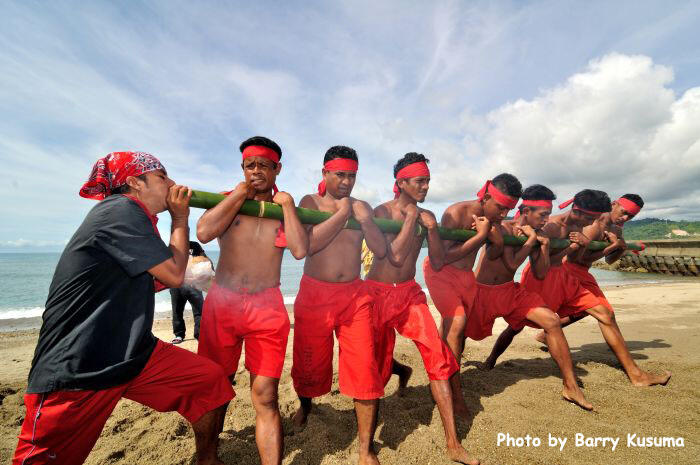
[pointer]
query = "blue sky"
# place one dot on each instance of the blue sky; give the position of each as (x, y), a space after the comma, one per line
(569, 94)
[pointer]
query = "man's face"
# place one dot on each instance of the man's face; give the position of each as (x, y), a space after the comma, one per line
(536, 217)
(261, 173)
(339, 183)
(619, 215)
(416, 188)
(153, 190)
(582, 219)
(493, 210)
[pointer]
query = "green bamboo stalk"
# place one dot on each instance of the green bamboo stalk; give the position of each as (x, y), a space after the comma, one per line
(206, 200)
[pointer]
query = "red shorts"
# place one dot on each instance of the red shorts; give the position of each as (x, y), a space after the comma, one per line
(452, 290)
(259, 319)
(61, 427)
(321, 308)
(403, 307)
(509, 301)
(561, 292)
(584, 276)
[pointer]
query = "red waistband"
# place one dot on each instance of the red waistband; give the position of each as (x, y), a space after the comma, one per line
(410, 282)
(242, 292)
(507, 285)
(575, 265)
(318, 282)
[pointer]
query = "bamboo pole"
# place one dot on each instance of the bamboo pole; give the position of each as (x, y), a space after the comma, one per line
(206, 200)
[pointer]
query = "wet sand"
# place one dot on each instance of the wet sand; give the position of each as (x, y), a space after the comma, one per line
(520, 396)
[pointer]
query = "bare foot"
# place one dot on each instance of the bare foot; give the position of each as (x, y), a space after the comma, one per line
(488, 364)
(459, 455)
(541, 338)
(576, 397)
(647, 379)
(404, 375)
(299, 418)
(368, 458)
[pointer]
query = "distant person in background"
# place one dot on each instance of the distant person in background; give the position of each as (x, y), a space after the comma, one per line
(188, 293)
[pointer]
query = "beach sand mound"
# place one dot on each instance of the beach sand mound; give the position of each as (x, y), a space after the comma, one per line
(520, 396)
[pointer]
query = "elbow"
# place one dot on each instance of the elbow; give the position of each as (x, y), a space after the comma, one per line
(203, 234)
(381, 253)
(436, 263)
(299, 252)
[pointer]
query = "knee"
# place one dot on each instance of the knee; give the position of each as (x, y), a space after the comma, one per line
(604, 315)
(454, 327)
(550, 322)
(264, 397)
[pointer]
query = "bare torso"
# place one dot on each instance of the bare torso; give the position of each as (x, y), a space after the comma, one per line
(495, 271)
(596, 232)
(557, 228)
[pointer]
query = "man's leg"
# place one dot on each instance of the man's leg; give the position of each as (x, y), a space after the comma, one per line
(452, 332)
(268, 422)
(196, 299)
(502, 343)
(613, 336)
(404, 373)
(559, 350)
(366, 413)
(565, 321)
(442, 393)
(178, 301)
(206, 435)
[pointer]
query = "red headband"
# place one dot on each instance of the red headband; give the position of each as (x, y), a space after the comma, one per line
(261, 151)
(570, 201)
(337, 164)
(111, 172)
(498, 196)
(533, 203)
(411, 171)
(629, 206)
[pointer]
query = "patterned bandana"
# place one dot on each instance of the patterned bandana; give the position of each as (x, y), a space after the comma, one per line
(111, 172)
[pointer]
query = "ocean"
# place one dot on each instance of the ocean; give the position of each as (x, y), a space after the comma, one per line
(25, 280)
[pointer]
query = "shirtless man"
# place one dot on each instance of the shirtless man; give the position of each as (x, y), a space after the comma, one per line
(399, 303)
(609, 227)
(453, 287)
(332, 297)
(499, 296)
(245, 303)
(564, 294)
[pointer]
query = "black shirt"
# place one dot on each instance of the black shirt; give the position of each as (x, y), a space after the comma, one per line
(96, 330)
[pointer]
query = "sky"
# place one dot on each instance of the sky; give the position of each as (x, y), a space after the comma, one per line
(573, 95)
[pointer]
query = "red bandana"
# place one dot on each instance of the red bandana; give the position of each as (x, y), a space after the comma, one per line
(629, 206)
(410, 171)
(533, 203)
(264, 152)
(111, 172)
(498, 196)
(337, 164)
(576, 207)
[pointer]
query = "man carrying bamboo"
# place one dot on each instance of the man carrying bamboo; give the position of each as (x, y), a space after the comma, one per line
(453, 287)
(332, 298)
(399, 303)
(245, 303)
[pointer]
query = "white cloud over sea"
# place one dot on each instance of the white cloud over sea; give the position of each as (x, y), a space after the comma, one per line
(567, 94)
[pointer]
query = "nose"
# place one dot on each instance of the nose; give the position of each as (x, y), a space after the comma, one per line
(170, 182)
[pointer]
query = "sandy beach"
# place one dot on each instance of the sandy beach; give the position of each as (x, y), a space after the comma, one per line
(521, 396)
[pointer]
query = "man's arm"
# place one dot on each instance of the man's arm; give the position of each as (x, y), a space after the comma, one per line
(400, 247)
(215, 221)
(320, 235)
(436, 252)
(513, 257)
(373, 235)
(494, 247)
(171, 272)
(552, 231)
(458, 250)
(616, 249)
(539, 258)
(297, 238)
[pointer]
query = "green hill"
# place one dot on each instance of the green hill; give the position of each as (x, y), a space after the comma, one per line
(656, 228)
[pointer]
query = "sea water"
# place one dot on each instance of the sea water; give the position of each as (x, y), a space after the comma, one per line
(25, 280)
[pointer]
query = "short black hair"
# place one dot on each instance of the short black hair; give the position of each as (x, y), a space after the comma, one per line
(409, 159)
(508, 184)
(589, 199)
(197, 249)
(339, 151)
(634, 198)
(536, 192)
(264, 141)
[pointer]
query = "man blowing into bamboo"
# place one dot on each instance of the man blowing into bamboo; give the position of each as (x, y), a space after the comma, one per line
(499, 296)
(608, 227)
(399, 303)
(332, 298)
(245, 304)
(453, 287)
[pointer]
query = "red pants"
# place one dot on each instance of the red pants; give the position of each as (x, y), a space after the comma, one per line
(403, 307)
(61, 427)
(583, 275)
(259, 319)
(452, 290)
(509, 301)
(561, 292)
(321, 308)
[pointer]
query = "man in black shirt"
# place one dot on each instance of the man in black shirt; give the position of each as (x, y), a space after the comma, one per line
(95, 345)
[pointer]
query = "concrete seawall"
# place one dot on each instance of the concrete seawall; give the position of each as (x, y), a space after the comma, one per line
(667, 256)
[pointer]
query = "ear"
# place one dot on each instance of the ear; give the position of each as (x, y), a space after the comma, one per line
(279, 167)
(133, 183)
